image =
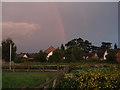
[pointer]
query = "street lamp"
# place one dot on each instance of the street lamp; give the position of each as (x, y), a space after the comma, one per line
(10, 55)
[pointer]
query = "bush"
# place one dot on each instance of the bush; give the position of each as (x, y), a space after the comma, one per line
(92, 76)
(40, 57)
(91, 80)
(18, 61)
(111, 58)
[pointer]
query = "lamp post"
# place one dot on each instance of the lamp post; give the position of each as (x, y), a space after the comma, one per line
(10, 55)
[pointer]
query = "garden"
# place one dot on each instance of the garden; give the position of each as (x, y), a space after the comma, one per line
(92, 76)
(89, 74)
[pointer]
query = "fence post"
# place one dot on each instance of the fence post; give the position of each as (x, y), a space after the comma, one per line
(54, 84)
(57, 68)
(28, 68)
(47, 86)
(43, 68)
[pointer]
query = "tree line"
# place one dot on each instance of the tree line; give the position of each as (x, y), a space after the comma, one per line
(69, 52)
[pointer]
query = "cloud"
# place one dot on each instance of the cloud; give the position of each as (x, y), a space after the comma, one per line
(19, 29)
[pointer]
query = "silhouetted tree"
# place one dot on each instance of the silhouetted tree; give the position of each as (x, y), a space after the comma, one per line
(62, 47)
(6, 49)
(57, 56)
(71, 43)
(0, 52)
(94, 48)
(87, 46)
(105, 45)
(83, 45)
(115, 46)
(40, 57)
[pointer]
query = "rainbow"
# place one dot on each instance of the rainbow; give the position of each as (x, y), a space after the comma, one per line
(60, 22)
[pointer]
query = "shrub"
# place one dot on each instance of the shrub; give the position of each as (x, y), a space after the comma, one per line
(18, 61)
(111, 58)
(91, 80)
(93, 76)
(40, 57)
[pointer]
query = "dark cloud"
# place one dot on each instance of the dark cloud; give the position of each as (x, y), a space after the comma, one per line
(56, 23)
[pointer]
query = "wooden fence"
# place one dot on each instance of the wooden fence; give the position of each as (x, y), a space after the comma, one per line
(51, 81)
(30, 68)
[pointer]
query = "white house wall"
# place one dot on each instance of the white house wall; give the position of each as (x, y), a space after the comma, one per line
(105, 54)
(50, 54)
(25, 56)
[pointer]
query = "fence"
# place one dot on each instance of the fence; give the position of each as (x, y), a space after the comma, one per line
(30, 68)
(51, 81)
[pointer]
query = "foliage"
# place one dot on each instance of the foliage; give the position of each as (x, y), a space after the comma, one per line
(95, 48)
(73, 54)
(115, 46)
(40, 57)
(105, 45)
(6, 49)
(18, 61)
(1, 52)
(79, 42)
(57, 56)
(92, 77)
(62, 47)
(111, 58)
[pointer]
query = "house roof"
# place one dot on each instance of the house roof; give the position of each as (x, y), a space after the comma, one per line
(50, 49)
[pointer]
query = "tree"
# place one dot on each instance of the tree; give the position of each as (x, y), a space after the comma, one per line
(69, 57)
(57, 56)
(106, 45)
(0, 52)
(87, 46)
(62, 47)
(41, 56)
(115, 46)
(94, 48)
(83, 45)
(6, 49)
(76, 52)
(111, 57)
(71, 43)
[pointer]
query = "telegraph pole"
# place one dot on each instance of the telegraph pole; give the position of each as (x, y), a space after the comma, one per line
(10, 55)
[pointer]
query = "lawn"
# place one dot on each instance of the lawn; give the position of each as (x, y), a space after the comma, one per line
(19, 80)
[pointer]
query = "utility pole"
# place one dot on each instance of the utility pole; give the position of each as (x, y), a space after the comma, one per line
(10, 55)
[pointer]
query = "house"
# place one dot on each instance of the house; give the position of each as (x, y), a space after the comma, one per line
(49, 52)
(23, 55)
(101, 55)
(86, 56)
(90, 56)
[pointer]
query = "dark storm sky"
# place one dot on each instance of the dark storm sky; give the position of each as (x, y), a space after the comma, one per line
(36, 26)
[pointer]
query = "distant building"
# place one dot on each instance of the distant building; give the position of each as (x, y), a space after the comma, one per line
(101, 55)
(23, 55)
(49, 52)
